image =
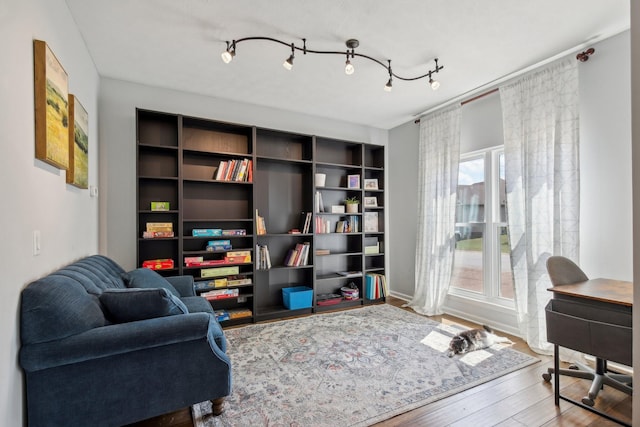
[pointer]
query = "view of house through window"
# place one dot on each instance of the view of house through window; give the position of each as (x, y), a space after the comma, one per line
(482, 267)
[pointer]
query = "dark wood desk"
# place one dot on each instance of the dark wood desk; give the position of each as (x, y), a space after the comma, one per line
(593, 317)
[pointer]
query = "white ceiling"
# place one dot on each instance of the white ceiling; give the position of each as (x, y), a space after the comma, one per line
(177, 44)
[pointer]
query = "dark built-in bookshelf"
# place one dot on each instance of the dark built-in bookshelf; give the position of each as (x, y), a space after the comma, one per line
(269, 174)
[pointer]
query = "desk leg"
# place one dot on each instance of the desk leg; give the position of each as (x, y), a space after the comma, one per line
(556, 374)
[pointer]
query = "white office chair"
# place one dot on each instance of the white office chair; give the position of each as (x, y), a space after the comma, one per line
(563, 271)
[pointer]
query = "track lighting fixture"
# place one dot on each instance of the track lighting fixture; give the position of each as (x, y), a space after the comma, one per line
(288, 63)
(348, 68)
(352, 44)
(389, 86)
(228, 54)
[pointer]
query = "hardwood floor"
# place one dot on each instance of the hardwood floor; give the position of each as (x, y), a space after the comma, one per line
(517, 399)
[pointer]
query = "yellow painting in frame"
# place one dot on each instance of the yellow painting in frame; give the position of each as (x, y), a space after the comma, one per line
(78, 172)
(51, 93)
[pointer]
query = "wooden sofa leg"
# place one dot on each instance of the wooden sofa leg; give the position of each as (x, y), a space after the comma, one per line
(217, 406)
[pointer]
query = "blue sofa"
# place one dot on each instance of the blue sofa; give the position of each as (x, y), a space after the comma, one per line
(105, 347)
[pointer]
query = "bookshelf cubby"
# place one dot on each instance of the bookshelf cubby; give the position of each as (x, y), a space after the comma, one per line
(180, 160)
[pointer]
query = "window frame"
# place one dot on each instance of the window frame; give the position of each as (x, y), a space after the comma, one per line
(491, 226)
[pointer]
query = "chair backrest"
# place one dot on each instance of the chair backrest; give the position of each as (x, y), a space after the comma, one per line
(563, 271)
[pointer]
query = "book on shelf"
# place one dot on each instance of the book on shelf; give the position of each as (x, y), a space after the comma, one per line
(318, 203)
(205, 263)
(263, 258)
(323, 225)
(298, 256)
(238, 280)
(305, 222)
(235, 170)
(261, 228)
(221, 315)
(376, 286)
(323, 252)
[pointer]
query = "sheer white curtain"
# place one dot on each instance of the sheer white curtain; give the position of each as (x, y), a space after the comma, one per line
(541, 135)
(439, 155)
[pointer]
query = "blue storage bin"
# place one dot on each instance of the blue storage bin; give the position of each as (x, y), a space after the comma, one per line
(297, 297)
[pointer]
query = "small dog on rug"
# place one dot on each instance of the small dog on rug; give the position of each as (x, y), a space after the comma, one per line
(474, 339)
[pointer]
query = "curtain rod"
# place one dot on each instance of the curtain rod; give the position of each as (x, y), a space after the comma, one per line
(492, 86)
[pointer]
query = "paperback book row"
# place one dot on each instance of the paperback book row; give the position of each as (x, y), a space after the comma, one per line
(297, 256)
(348, 224)
(235, 170)
(375, 286)
(263, 258)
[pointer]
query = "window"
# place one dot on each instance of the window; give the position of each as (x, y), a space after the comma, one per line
(482, 266)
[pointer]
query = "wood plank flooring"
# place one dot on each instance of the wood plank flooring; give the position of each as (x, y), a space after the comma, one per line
(517, 399)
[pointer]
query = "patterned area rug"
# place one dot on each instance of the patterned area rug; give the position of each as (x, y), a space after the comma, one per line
(350, 368)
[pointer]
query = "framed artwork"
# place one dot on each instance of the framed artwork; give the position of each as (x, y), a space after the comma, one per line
(353, 181)
(370, 201)
(371, 222)
(78, 171)
(51, 94)
(371, 184)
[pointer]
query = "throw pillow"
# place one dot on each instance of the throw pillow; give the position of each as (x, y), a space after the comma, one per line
(146, 278)
(129, 305)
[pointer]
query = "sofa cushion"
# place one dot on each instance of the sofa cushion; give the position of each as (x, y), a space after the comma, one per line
(129, 305)
(57, 307)
(146, 278)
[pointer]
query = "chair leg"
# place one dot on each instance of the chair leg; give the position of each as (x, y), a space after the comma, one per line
(217, 406)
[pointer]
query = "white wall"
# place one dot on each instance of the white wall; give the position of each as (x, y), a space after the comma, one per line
(606, 221)
(605, 157)
(34, 194)
(118, 101)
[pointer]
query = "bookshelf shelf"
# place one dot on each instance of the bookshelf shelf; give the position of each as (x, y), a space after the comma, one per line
(179, 158)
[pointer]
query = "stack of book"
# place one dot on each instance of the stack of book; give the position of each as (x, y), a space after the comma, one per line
(235, 170)
(157, 230)
(298, 256)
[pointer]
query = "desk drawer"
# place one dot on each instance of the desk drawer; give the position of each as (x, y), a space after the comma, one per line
(597, 331)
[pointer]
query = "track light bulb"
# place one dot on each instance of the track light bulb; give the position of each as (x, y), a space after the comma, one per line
(348, 68)
(389, 86)
(228, 55)
(288, 64)
(434, 84)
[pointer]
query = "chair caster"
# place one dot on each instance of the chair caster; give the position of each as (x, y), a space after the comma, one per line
(588, 401)
(547, 377)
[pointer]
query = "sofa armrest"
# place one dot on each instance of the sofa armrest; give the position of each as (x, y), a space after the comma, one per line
(183, 284)
(124, 338)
